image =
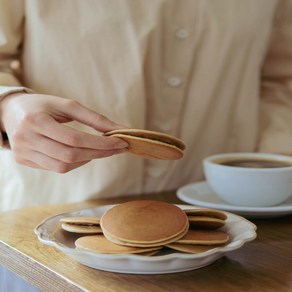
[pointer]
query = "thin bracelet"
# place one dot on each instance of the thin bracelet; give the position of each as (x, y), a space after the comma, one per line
(5, 140)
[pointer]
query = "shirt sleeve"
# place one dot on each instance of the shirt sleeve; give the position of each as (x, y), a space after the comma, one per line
(276, 86)
(11, 35)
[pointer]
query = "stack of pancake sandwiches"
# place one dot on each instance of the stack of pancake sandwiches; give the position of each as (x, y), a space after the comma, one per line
(148, 227)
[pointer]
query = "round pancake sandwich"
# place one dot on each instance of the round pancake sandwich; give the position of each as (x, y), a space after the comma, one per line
(85, 225)
(190, 248)
(144, 223)
(205, 222)
(213, 213)
(204, 237)
(100, 244)
(150, 144)
(206, 218)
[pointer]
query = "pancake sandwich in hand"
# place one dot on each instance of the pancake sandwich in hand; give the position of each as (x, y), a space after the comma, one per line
(150, 144)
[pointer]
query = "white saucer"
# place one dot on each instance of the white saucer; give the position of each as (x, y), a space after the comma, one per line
(200, 194)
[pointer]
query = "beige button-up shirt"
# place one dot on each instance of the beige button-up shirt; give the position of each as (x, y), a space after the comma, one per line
(217, 74)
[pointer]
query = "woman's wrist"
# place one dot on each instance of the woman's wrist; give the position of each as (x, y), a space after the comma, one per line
(6, 92)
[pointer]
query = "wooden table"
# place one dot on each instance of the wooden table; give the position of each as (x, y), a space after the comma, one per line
(264, 264)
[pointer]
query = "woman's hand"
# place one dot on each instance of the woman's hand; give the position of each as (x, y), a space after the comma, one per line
(39, 138)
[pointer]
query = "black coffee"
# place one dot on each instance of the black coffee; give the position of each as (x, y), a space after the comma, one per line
(254, 163)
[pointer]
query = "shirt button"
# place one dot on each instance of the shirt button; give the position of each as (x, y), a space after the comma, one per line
(155, 172)
(165, 127)
(174, 81)
(182, 33)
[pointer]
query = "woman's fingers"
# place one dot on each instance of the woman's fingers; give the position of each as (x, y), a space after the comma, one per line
(40, 138)
(77, 112)
(49, 127)
(31, 143)
(30, 164)
(42, 161)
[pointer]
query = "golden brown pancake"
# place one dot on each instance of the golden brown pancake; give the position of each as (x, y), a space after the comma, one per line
(207, 212)
(100, 244)
(190, 248)
(85, 229)
(205, 222)
(86, 225)
(150, 144)
(81, 220)
(144, 223)
(149, 253)
(145, 244)
(204, 237)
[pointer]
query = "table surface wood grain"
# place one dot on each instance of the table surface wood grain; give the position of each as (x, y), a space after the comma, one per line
(264, 264)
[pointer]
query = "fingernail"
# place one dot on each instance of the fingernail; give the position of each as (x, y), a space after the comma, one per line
(120, 145)
(120, 151)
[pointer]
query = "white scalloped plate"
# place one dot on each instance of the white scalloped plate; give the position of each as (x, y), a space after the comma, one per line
(49, 232)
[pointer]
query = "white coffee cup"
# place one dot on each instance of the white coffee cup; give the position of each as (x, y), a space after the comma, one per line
(244, 185)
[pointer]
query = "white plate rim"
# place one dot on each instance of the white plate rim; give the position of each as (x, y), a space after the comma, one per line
(216, 253)
(186, 194)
